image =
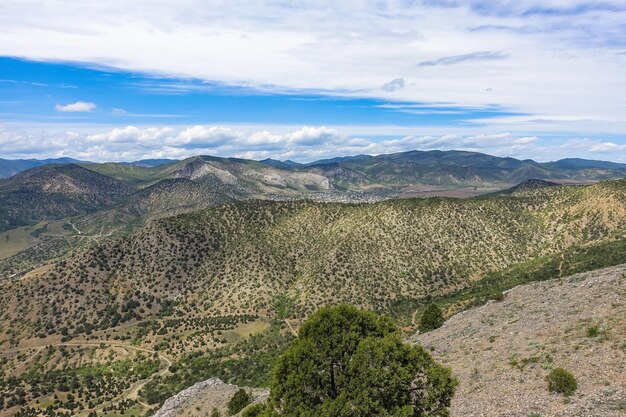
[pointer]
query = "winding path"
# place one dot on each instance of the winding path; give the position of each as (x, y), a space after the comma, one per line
(133, 392)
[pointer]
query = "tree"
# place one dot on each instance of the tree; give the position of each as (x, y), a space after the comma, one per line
(562, 381)
(239, 401)
(432, 318)
(350, 362)
(215, 412)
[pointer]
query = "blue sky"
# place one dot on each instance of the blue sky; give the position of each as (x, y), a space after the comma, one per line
(122, 80)
(37, 88)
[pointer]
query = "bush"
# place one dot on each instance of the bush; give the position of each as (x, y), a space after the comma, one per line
(350, 362)
(254, 410)
(239, 401)
(561, 381)
(215, 412)
(432, 318)
(593, 331)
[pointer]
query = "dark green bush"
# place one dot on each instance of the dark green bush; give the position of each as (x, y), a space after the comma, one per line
(432, 318)
(239, 401)
(254, 410)
(593, 331)
(562, 381)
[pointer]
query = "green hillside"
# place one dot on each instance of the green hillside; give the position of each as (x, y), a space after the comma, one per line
(241, 258)
(217, 292)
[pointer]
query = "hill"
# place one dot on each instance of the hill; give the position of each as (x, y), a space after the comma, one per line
(165, 198)
(384, 172)
(578, 323)
(10, 167)
(513, 344)
(453, 168)
(527, 185)
(578, 163)
(241, 258)
(56, 191)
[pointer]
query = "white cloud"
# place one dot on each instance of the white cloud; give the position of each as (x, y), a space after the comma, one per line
(593, 146)
(556, 65)
(203, 136)
(312, 136)
(305, 144)
(79, 106)
(131, 134)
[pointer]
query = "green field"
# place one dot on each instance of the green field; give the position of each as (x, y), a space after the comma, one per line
(16, 240)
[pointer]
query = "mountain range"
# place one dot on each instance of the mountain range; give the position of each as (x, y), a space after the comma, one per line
(48, 210)
(124, 283)
(53, 190)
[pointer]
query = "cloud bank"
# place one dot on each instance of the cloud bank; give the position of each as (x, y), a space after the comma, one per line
(302, 144)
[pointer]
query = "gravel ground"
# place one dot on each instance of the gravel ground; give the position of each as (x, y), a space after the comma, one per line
(502, 352)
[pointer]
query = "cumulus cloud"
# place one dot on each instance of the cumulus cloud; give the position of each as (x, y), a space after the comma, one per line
(312, 136)
(304, 144)
(131, 134)
(78, 107)
(203, 136)
(594, 146)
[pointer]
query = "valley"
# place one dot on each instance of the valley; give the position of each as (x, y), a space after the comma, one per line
(141, 281)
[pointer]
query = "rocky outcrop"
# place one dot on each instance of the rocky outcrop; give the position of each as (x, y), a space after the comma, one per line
(199, 399)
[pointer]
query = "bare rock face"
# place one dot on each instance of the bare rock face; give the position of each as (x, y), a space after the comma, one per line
(186, 398)
(502, 352)
(199, 399)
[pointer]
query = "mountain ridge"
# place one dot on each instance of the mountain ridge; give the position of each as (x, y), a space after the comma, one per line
(448, 158)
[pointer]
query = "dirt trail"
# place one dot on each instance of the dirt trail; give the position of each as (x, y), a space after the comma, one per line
(133, 392)
(74, 227)
(291, 328)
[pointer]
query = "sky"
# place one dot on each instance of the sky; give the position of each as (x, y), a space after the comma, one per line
(303, 80)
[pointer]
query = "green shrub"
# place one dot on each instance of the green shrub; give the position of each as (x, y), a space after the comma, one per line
(498, 295)
(254, 410)
(239, 401)
(351, 362)
(215, 412)
(593, 331)
(432, 318)
(561, 381)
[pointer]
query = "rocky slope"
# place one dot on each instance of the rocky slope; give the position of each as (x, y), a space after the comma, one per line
(502, 352)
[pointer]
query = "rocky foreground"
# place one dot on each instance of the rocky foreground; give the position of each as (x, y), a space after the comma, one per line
(502, 352)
